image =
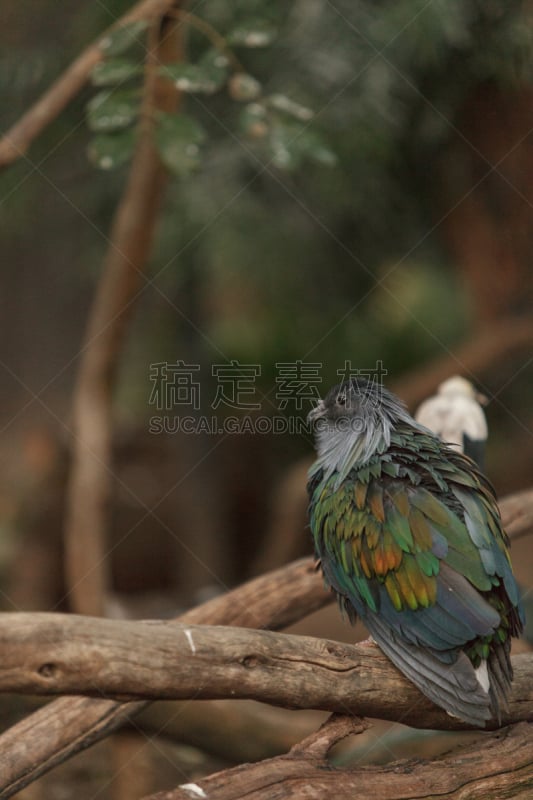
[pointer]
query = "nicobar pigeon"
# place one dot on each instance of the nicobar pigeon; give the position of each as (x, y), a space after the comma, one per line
(456, 416)
(409, 537)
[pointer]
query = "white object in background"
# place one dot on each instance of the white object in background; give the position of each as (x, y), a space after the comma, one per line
(456, 416)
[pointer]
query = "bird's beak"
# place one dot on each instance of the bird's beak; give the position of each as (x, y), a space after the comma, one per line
(482, 399)
(317, 412)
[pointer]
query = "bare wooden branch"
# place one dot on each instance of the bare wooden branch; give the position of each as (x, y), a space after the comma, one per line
(132, 233)
(15, 142)
(66, 654)
(70, 724)
(334, 729)
(496, 766)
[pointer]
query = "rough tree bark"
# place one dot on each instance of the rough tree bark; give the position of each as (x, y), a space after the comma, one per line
(489, 769)
(70, 724)
(67, 725)
(61, 653)
(67, 654)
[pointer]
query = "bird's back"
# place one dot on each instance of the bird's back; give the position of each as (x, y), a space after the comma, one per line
(412, 542)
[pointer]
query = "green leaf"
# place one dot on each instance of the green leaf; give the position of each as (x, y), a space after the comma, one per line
(207, 76)
(111, 150)
(112, 110)
(116, 70)
(120, 39)
(188, 78)
(244, 87)
(178, 139)
(216, 64)
(253, 33)
(291, 144)
(254, 121)
(283, 103)
(314, 147)
(283, 151)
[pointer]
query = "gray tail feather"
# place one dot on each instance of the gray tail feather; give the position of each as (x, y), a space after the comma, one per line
(453, 687)
(500, 677)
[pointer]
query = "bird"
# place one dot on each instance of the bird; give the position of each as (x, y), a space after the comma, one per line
(408, 535)
(456, 415)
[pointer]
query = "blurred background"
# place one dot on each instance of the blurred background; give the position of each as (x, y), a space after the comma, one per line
(401, 232)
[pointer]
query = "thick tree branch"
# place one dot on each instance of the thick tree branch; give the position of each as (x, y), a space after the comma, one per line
(497, 766)
(66, 654)
(15, 142)
(67, 725)
(132, 233)
(70, 724)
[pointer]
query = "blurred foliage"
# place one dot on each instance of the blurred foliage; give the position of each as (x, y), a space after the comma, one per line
(308, 167)
(330, 260)
(276, 121)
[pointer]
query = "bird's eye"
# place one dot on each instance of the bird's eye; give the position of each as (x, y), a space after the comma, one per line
(341, 399)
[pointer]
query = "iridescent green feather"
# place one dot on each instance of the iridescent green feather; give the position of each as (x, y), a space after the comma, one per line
(396, 531)
(411, 541)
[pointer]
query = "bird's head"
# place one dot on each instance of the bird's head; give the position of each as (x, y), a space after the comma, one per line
(353, 422)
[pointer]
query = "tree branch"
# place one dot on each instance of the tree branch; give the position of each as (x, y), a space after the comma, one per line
(67, 725)
(89, 485)
(70, 724)
(336, 728)
(15, 142)
(500, 765)
(66, 654)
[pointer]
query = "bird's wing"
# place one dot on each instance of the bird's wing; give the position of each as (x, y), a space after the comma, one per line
(419, 577)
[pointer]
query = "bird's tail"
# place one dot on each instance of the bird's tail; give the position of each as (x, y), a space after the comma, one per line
(454, 687)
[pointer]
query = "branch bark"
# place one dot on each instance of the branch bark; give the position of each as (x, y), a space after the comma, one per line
(70, 724)
(67, 725)
(65, 654)
(500, 765)
(89, 485)
(16, 141)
